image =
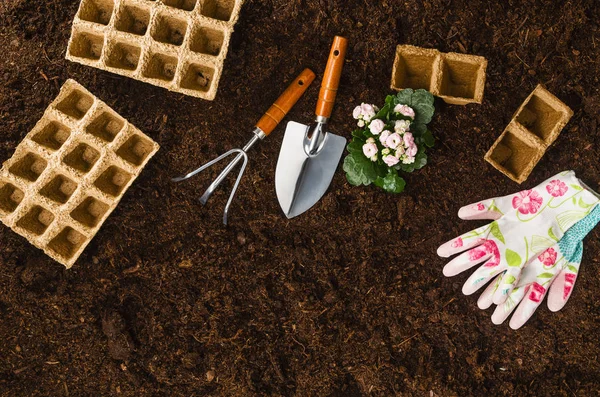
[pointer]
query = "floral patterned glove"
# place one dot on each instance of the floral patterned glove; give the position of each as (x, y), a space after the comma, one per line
(553, 272)
(525, 225)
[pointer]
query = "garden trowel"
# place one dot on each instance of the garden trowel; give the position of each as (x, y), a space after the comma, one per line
(309, 155)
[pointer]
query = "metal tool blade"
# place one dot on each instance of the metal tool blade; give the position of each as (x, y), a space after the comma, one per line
(300, 180)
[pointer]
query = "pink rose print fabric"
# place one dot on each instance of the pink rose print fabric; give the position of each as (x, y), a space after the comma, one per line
(527, 202)
(489, 247)
(548, 257)
(557, 188)
(537, 293)
(457, 243)
(569, 282)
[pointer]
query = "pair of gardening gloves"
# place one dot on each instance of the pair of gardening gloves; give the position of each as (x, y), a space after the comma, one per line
(532, 248)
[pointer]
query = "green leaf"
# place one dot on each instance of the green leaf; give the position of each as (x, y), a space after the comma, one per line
(390, 99)
(512, 258)
(428, 139)
(404, 97)
(392, 183)
(572, 268)
(509, 279)
(422, 103)
(420, 160)
(359, 169)
(383, 112)
(576, 187)
(418, 130)
(358, 134)
(355, 146)
(552, 235)
(545, 275)
(495, 231)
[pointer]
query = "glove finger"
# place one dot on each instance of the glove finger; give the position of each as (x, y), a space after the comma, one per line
(465, 261)
(485, 209)
(560, 290)
(504, 310)
(507, 284)
(481, 276)
(463, 242)
(486, 298)
(534, 297)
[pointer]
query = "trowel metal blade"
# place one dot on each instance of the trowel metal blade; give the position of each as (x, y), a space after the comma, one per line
(300, 180)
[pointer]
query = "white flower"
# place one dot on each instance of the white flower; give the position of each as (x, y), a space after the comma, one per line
(385, 151)
(390, 160)
(376, 126)
(361, 123)
(370, 150)
(371, 140)
(402, 126)
(357, 112)
(394, 140)
(383, 137)
(408, 160)
(399, 151)
(405, 111)
(368, 111)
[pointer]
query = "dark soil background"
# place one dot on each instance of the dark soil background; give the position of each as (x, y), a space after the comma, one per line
(349, 298)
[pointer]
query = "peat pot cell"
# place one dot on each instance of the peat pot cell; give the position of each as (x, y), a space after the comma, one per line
(29, 167)
(124, 56)
(36, 221)
(52, 135)
(67, 242)
(187, 5)
(86, 45)
(113, 181)
(90, 212)
(59, 189)
(540, 118)
(198, 78)
(10, 197)
(218, 9)
(169, 30)
(106, 126)
(82, 158)
(207, 41)
(161, 67)
(414, 71)
(514, 155)
(98, 11)
(135, 150)
(133, 20)
(459, 79)
(76, 104)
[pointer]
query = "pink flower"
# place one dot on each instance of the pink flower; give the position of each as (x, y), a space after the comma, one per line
(383, 137)
(393, 140)
(548, 257)
(527, 202)
(536, 293)
(405, 111)
(569, 282)
(457, 243)
(409, 140)
(369, 150)
(376, 126)
(412, 150)
(357, 112)
(557, 188)
(390, 160)
(368, 111)
(488, 247)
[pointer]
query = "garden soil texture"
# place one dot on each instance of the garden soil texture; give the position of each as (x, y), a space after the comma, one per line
(349, 298)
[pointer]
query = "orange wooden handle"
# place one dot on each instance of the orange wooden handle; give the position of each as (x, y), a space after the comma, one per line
(331, 79)
(285, 102)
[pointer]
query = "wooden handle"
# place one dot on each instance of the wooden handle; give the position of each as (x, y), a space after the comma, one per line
(331, 79)
(285, 102)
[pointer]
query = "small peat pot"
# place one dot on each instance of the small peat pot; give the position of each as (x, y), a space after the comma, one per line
(534, 127)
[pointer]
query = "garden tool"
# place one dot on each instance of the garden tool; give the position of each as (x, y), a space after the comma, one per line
(525, 225)
(263, 128)
(309, 156)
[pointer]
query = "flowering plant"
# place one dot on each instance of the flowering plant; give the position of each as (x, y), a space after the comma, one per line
(391, 139)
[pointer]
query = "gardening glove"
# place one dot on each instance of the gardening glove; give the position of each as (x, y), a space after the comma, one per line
(553, 272)
(513, 239)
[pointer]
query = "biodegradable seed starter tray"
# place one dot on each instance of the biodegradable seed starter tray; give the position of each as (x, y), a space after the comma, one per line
(534, 127)
(179, 45)
(70, 172)
(458, 79)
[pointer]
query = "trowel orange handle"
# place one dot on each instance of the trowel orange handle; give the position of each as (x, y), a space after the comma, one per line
(285, 102)
(331, 79)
